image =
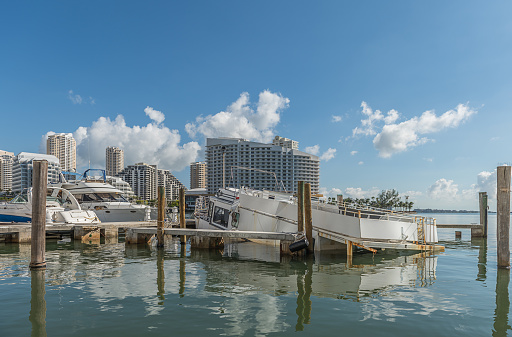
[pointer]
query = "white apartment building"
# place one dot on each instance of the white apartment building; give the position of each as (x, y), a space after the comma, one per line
(63, 146)
(22, 170)
(143, 179)
(121, 185)
(171, 183)
(197, 175)
(114, 160)
(6, 161)
(289, 165)
(285, 142)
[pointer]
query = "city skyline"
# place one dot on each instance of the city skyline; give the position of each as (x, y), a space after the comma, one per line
(410, 96)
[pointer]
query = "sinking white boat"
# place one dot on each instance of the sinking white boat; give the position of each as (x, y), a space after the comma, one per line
(61, 207)
(95, 194)
(267, 211)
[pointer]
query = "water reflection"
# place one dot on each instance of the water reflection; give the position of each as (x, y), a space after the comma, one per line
(37, 303)
(481, 243)
(501, 325)
(304, 290)
(160, 280)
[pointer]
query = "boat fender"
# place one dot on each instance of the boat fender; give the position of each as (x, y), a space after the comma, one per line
(299, 245)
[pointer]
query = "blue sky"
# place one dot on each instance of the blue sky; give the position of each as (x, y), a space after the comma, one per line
(298, 69)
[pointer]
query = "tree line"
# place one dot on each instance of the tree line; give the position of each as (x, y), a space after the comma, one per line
(387, 199)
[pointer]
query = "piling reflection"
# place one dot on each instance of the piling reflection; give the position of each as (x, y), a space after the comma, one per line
(481, 243)
(304, 290)
(182, 270)
(37, 303)
(160, 280)
(501, 325)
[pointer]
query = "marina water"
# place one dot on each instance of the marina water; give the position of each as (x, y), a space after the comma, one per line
(247, 290)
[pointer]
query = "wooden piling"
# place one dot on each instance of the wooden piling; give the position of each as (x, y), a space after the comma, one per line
(308, 220)
(300, 206)
(503, 210)
(161, 216)
(183, 223)
(350, 252)
(483, 211)
(458, 234)
(38, 241)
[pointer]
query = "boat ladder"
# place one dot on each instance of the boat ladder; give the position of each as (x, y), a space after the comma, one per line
(420, 223)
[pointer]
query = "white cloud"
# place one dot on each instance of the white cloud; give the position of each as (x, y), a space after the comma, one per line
(394, 138)
(151, 143)
(333, 192)
(412, 193)
(360, 163)
(443, 189)
(75, 98)
(336, 119)
(358, 192)
(241, 121)
(353, 153)
(155, 115)
(328, 155)
(428, 159)
(312, 149)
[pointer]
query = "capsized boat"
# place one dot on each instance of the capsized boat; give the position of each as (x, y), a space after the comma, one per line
(94, 193)
(61, 207)
(333, 224)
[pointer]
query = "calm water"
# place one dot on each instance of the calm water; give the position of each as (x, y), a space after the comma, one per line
(113, 290)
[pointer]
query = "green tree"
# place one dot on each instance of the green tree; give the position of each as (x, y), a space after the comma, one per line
(387, 199)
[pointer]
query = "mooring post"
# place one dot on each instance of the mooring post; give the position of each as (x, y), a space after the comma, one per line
(38, 241)
(183, 223)
(482, 196)
(349, 253)
(161, 216)
(308, 220)
(300, 206)
(503, 210)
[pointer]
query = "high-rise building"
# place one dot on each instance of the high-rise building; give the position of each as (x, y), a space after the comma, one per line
(143, 179)
(197, 175)
(238, 162)
(63, 146)
(6, 160)
(171, 184)
(22, 170)
(285, 142)
(114, 160)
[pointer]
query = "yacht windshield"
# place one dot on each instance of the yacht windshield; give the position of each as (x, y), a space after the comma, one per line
(100, 197)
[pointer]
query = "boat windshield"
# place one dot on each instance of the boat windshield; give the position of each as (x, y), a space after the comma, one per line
(20, 199)
(100, 197)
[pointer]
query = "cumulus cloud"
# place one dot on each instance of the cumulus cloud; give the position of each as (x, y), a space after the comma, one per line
(336, 119)
(152, 143)
(332, 192)
(443, 189)
(358, 192)
(315, 150)
(328, 155)
(353, 153)
(240, 120)
(360, 163)
(155, 115)
(394, 138)
(312, 149)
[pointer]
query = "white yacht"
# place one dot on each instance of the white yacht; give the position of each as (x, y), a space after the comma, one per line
(268, 211)
(61, 207)
(94, 193)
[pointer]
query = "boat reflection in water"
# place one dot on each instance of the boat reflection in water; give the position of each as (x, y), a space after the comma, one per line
(243, 288)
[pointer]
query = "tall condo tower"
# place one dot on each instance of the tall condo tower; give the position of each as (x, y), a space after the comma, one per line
(114, 160)
(238, 162)
(63, 146)
(6, 160)
(197, 175)
(143, 179)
